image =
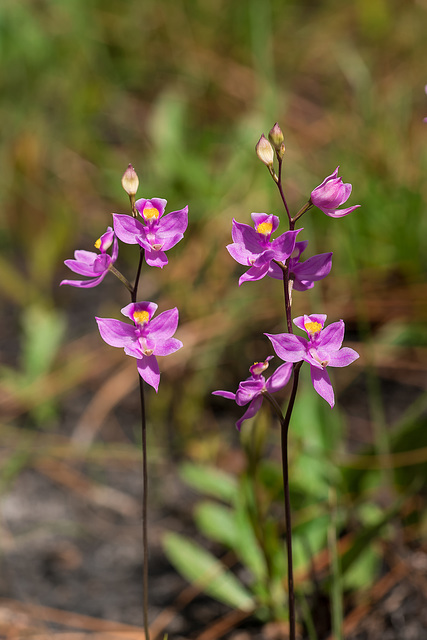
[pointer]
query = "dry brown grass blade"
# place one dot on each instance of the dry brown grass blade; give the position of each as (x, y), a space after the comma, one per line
(224, 624)
(117, 387)
(69, 619)
(391, 461)
(378, 591)
(101, 495)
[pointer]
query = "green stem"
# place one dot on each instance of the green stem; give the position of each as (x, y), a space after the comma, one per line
(121, 277)
(301, 212)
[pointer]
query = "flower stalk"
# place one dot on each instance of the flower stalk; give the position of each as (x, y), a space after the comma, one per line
(147, 337)
(280, 258)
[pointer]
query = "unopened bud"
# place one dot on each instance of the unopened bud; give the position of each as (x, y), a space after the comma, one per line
(130, 181)
(277, 139)
(265, 151)
(276, 136)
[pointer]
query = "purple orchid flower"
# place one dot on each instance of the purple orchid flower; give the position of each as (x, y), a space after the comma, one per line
(89, 263)
(145, 340)
(331, 194)
(304, 274)
(252, 246)
(252, 389)
(157, 234)
(322, 349)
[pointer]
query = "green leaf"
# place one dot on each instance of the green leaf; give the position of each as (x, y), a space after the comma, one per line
(248, 548)
(217, 522)
(201, 568)
(209, 480)
(43, 332)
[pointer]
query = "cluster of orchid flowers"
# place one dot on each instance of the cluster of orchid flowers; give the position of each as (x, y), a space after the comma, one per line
(254, 247)
(155, 234)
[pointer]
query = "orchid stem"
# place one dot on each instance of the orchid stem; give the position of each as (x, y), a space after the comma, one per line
(121, 277)
(134, 295)
(284, 424)
(144, 508)
(134, 291)
(282, 194)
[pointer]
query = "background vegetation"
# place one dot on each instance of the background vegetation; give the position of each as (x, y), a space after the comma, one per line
(183, 89)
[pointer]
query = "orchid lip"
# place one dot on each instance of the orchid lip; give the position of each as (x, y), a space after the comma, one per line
(264, 228)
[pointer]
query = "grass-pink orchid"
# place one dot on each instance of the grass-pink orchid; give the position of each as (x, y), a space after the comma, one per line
(253, 247)
(144, 340)
(253, 388)
(304, 274)
(321, 349)
(157, 233)
(91, 264)
(331, 194)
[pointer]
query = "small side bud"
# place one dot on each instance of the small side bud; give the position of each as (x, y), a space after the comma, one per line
(276, 136)
(277, 139)
(130, 181)
(265, 151)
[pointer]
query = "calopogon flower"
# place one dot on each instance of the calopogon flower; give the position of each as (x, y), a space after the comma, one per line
(322, 348)
(91, 264)
(253, 247)
(304, 274)
(145, 339)
(331, 194)
(253, 388)
(156, 233)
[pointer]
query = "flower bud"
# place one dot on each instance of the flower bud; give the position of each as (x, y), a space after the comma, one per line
(265, 151)
(276, 137)
(130, 181)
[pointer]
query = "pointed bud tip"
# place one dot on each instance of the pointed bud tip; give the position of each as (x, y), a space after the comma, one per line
(130, 181)
(276, 136)
(265, 151)
(277, 139)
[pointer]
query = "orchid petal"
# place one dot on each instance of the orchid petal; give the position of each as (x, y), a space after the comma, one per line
(253, 274)
(168, 346)
(225, 394)
(288, 347)
(253, 408)
(322, 384)
(127, 229)
(343, 357)
(85, 284)
(115, 332)
(280, 377)
(332, 336)
(148, 369)
(164, 325)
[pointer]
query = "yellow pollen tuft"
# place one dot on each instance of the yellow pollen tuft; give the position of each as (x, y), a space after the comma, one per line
(141, 317)
(313, 327)
(97, 244)
(264, 228)
(150, 213)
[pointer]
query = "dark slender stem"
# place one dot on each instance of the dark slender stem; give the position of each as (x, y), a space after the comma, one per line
(138, 273)
(286, 292)
(134, 295)
(282, 194)
(144, 507)
(284, 425)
